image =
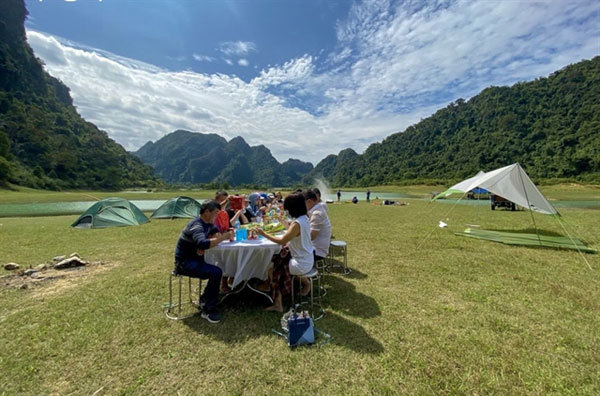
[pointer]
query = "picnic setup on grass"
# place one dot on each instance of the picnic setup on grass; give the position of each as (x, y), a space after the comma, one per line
(257, 244)
(274, 247)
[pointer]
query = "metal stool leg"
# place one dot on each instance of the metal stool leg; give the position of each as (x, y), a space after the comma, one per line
(179, 305)
(315, 278)
(346, 269)
(170, 295)
(312, 301)
(321, 268)
(171, 307)
(337, 248)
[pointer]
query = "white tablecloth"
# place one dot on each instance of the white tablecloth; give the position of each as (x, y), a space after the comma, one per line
(243, 260)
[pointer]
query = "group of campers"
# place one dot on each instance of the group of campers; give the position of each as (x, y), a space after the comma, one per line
(305, 240)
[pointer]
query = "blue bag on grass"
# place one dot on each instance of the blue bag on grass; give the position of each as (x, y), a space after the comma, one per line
(301, 330)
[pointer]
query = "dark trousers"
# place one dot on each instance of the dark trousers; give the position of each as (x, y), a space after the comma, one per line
(200, 269)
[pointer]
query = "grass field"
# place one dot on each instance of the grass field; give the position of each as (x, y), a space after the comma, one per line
(445, 315)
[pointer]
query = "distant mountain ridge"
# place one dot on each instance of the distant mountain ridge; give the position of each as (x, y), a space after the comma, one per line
(551, 126)
(44, 142)
(191, 157)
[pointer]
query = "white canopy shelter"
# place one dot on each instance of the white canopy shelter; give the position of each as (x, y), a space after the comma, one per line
(510, 182)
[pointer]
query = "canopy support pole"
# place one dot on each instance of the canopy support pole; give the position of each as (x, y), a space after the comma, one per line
(431, 232)
(529, 206)
(572, 241)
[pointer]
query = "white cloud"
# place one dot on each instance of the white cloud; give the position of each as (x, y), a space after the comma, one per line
(203, 58)
(396, 63)
(243, 62)
(294, 71)
(237, 48)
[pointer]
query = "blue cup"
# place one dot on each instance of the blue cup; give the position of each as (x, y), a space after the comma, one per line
(244, 233)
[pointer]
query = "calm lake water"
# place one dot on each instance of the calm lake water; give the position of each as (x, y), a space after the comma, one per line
(76, 208)
(64, 208)
(362, 196)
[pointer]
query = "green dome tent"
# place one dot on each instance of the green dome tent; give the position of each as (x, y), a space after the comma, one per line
(111, 212)
(177, 207)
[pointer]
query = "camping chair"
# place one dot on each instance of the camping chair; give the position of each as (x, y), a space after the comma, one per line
(313, 276)
(177, 277)
(339, 248)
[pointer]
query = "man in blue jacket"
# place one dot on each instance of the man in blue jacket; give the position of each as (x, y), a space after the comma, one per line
(197, 236)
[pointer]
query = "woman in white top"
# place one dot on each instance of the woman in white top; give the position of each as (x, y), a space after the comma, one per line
(297, 237)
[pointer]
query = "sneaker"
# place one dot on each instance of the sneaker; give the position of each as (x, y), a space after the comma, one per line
(212, 317)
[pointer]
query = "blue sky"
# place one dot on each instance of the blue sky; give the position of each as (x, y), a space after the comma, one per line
(306, 78)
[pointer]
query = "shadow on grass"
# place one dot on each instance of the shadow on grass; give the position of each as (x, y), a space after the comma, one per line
(245, 318)
(239, 326)
(348, 334)
(343, 297)
(338, 269)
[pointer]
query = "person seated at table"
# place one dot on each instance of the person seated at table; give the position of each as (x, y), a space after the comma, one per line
(199, 235)
(279, 197)
(320, 226)
(239, 215)
(297, 238)
(222, 219)
(234, 217)
(320, 202)
(263, 206)
(252, 211)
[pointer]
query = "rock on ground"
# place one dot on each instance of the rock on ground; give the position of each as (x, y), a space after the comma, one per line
(70, 262)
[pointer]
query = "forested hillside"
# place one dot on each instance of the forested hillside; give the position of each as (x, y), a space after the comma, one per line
(44, 142)
(188, 157)
(551, 126)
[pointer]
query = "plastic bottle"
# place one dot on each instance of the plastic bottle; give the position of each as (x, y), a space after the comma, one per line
(259, 217)
(237, 230)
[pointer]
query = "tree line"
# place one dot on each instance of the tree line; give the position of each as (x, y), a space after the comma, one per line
(551, 126)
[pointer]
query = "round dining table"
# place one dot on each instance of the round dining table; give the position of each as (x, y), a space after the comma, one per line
(243, 260)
